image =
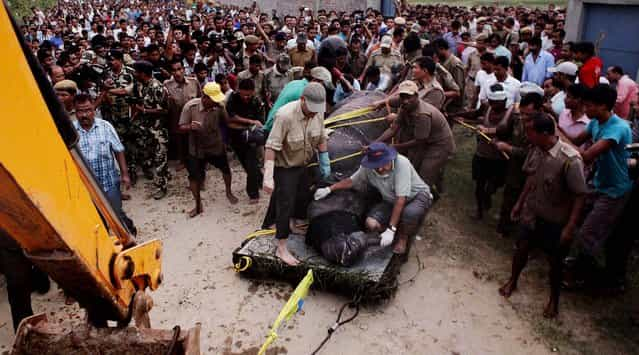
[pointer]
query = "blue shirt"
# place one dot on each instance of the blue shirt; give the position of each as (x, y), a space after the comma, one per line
(502, 51)
(452, 41)
(97, 146)
(537, 71)
(611, 173)
(340, 94)
(291, 92)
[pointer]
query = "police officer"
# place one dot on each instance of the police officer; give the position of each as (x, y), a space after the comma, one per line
(425, 137)
(383, 58)
(276, 77)
(550, 205)
(148, 120)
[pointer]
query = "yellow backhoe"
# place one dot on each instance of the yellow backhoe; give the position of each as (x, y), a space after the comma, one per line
(51, 205)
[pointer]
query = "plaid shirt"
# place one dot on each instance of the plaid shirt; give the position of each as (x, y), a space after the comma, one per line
(97, 146)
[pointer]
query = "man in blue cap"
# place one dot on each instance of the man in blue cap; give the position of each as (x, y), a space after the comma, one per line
(406, 197)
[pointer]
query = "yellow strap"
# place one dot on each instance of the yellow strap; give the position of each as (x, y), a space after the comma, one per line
(481, 134)
(248, 262)
(271, 338)
(358, 122)
(349, 115)
(356, 154)
(260, 233)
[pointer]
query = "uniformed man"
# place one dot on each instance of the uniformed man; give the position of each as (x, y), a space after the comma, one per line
(276, 48)
(513, 141)
(456, 68)
(275, 78)
(300, 54)
(424, 135)
(252, 42)
(115, 109)
(550, 205)
(201, 118)
(148, 121)
(384, 58)
(255, 73)
(66, 90)
(180, 89)
(430, 90)
(298, 132)
(443, 77)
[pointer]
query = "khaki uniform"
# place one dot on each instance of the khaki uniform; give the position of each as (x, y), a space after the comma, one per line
(295, 138)
(445, 78)
(557, 178)
(208, 140)
(178, 95)
(299, 58)
(455, 67)
(257, 79)
(474, 66)
(274, 82)
(410, 59)
(384, 62)
(428, 124)
(432, 93)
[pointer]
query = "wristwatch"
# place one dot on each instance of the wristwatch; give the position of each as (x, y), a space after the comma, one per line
(392, 228)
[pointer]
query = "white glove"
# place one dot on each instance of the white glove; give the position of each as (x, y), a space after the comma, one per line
(269, 167)
(387, 238)
(322, 193)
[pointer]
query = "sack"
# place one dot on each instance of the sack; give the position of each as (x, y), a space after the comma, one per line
(344, 249)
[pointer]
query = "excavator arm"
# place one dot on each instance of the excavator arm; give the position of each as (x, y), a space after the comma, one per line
(51, 204)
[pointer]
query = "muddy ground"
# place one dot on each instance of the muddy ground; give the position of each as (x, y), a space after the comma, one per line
(449, 305)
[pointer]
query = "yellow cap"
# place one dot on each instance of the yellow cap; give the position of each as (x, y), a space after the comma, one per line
(213, 91)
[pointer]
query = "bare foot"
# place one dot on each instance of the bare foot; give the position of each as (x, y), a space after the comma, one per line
(508, 289)
(254, 201)
(194, 212)
(286, 256)
(551, 310)
(232, 199)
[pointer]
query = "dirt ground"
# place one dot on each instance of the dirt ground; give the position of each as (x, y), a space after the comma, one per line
(451, 306)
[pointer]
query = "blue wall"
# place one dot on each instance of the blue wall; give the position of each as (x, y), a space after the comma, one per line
(620, 23)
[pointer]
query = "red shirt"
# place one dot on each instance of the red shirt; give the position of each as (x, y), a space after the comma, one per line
(590, 71)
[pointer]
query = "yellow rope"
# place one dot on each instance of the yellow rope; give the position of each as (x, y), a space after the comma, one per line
(260, 233)
(481, 134)
(340, 158)
(358, 122)
(349, 115)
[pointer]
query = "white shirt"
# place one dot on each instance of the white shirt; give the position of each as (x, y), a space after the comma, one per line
(511, 86)
(480, 80)
(466, 54)
(557, 102)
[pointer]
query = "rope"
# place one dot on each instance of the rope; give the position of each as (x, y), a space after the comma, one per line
(356, 154)
(480, 133)
(358, 122)
(339, 322)
(260, 233)
(349, 115)
(238, 266)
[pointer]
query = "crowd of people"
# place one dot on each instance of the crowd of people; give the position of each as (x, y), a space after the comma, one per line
(148, 82)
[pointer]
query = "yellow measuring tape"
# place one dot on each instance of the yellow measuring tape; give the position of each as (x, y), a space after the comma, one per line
(260, 233)
(349, 115)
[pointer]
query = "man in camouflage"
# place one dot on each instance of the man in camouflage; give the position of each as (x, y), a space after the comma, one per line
(148, 107)
(115, 109)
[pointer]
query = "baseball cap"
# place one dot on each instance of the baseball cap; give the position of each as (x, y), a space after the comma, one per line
(301, 38)
(251, 39)
(280, 36)
(496, 93)
(314, 96)
(399, 21)
(213, 91)
(321, 73)
(408, 87)
(284, 61)
(416, 28)
(386, 42)
(568, 68)
(528, 87)
(143, 66)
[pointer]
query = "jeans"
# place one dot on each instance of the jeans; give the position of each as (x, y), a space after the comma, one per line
(115, 199)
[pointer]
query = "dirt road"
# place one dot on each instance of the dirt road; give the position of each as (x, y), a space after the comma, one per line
(450, 307)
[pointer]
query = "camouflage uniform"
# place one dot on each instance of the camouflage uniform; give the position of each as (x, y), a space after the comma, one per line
(118, 113)
(151, 143)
